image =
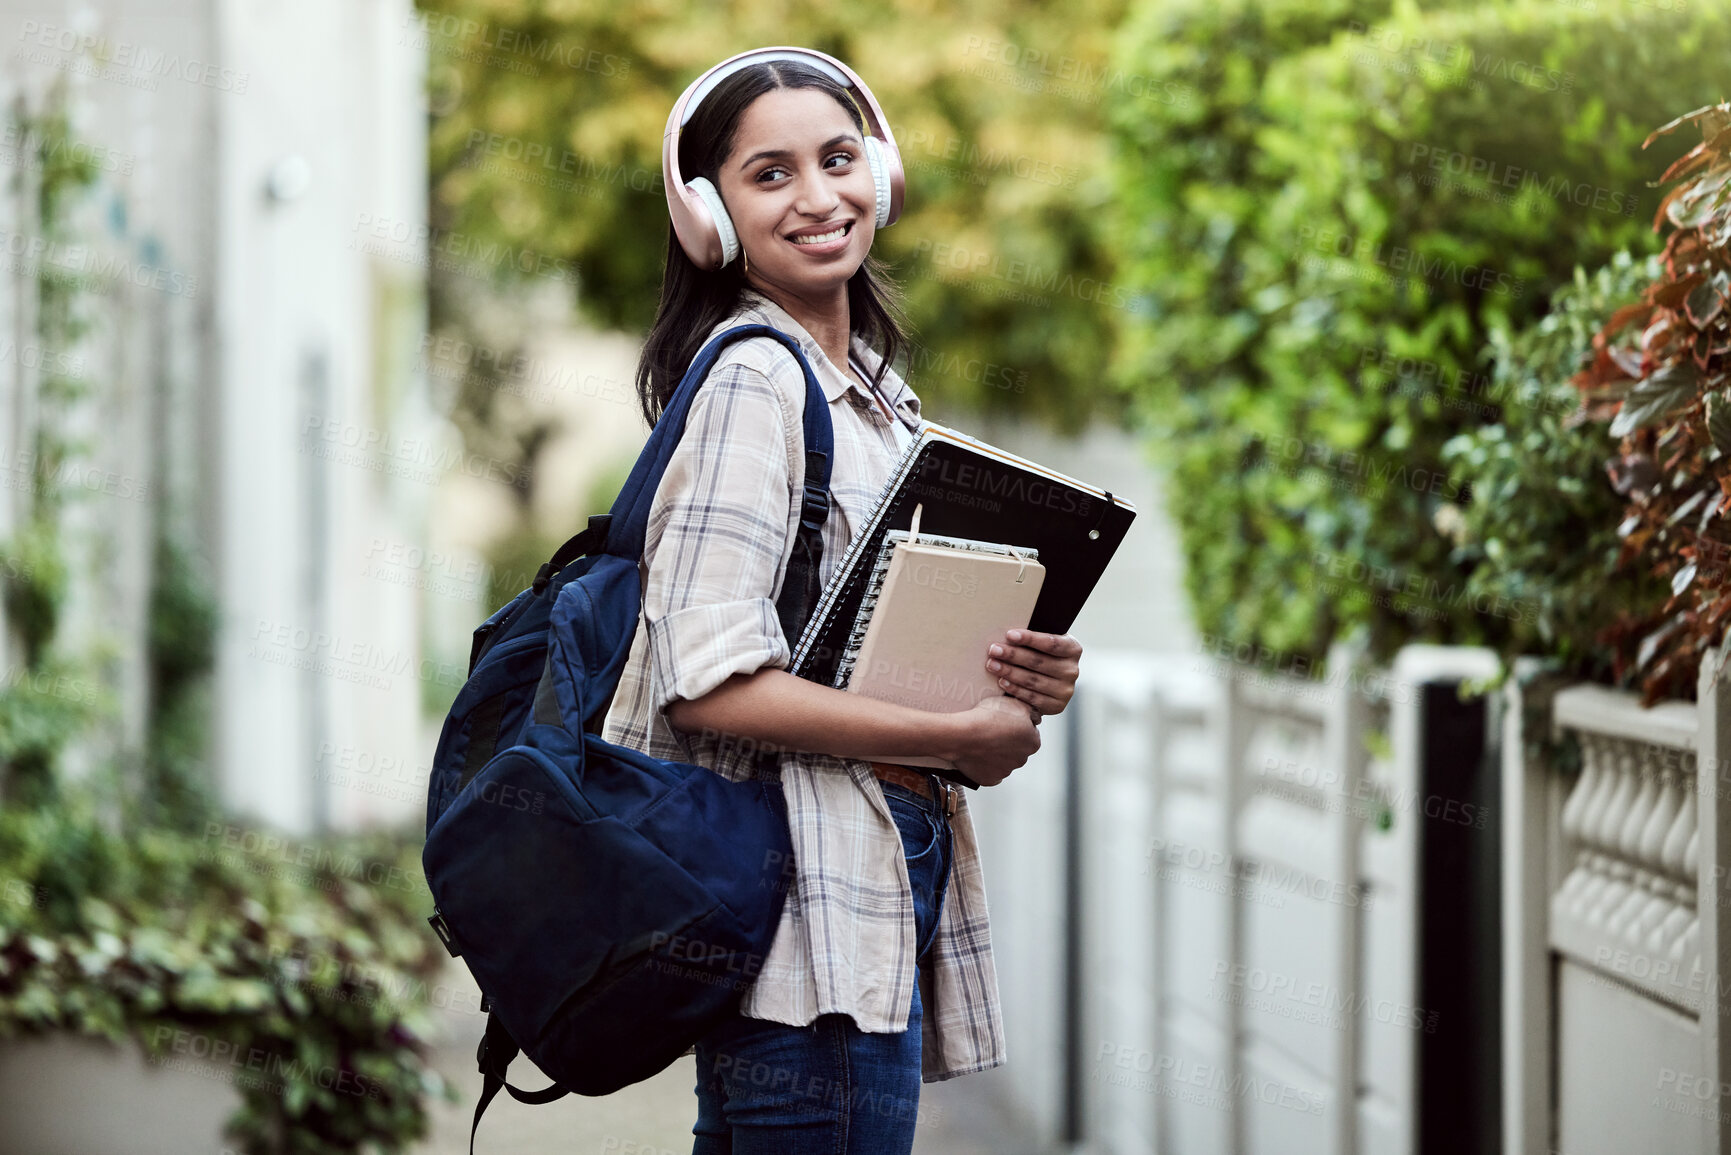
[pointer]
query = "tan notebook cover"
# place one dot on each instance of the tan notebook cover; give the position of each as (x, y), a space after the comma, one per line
(939, 610)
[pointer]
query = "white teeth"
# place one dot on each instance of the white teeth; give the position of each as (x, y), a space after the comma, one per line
(820, 238)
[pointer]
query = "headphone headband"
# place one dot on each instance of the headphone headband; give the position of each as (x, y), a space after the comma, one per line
(709, 81)
(693, 222)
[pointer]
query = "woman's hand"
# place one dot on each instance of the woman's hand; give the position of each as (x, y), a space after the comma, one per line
(996, 736)
(1039, 669)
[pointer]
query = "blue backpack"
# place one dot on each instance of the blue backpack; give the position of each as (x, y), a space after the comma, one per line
(613, 907)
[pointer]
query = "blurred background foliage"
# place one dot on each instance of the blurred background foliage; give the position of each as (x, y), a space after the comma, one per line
(998, 111)
(1367, 194)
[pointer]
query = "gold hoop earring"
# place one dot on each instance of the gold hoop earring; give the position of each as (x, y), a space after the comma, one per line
(745, 269)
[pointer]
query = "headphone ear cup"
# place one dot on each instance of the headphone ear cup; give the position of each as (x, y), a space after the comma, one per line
(874, 152)
(711, 199)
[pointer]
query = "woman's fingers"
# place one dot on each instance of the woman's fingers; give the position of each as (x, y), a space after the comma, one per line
(1057, 645)
(1002, 656)
(1041, 704)
(1040, 671)
(1046, 695)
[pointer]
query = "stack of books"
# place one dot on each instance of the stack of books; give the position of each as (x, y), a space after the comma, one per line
(965, 542)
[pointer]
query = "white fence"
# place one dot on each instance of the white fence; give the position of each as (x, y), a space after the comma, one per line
(1212, 949)
(1614, 922)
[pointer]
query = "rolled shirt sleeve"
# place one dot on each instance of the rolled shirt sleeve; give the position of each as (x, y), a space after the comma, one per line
(719, 533)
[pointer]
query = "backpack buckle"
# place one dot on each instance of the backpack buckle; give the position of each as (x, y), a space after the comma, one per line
(443, 930)
(814, 510)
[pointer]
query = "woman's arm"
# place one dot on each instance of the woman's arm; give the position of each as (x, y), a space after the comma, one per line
(774, 707)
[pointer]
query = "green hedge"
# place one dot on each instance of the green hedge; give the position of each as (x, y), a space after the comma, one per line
(1327, 270)
(1541, 533)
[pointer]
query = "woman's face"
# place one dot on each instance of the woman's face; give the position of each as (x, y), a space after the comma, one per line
(799, 192)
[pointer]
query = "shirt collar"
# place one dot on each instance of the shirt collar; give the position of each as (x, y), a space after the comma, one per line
(833, 380)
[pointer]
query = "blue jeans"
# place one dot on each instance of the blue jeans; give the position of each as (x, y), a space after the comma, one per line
(829, 1088)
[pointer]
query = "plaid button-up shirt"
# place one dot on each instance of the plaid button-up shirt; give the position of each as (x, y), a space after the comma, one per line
(721, 530)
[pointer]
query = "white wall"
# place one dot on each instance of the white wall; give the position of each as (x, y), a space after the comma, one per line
(246, 327)
(323, 445)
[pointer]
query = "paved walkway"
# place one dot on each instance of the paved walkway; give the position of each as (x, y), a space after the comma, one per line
(967, 1116)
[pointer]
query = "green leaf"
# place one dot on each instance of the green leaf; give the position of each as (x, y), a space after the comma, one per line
(1719, 421)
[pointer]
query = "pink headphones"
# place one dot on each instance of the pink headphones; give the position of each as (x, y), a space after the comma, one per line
(699, 219)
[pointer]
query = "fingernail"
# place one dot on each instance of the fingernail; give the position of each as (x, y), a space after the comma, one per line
(1015, 635)
(994, 665)
(1004, 682)
(997, 650)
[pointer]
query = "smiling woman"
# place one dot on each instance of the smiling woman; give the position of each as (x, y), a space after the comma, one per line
(808, 212)
(880, 970)
(767, 191)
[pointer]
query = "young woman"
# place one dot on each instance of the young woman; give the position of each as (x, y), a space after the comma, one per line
(880, 969)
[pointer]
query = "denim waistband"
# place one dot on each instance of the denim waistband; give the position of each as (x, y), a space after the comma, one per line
(935, 805)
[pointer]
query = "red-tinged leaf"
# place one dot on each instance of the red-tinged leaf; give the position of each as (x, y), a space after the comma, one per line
(1671, 378)
(1704, 303)
(1700, 200)
(1685, 251)
(1701, 352)
(1650, 644)
(1656, 337)
(1625, 316)
(1673, 293)
(1696, 158)
(1627, 361)
(1671, 126)
(1633, 474)
(1655, 398)
(1662, 213)
(1688, 507)
(1715, 120)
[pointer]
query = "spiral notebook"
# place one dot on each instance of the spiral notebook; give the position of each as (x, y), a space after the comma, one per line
(975, 492)
(931, 608)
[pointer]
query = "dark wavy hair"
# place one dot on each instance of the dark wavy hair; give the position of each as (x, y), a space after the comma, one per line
(694, 300)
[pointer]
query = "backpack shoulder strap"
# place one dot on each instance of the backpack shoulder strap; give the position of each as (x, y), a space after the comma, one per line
(497, 1050)
(629, 517)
